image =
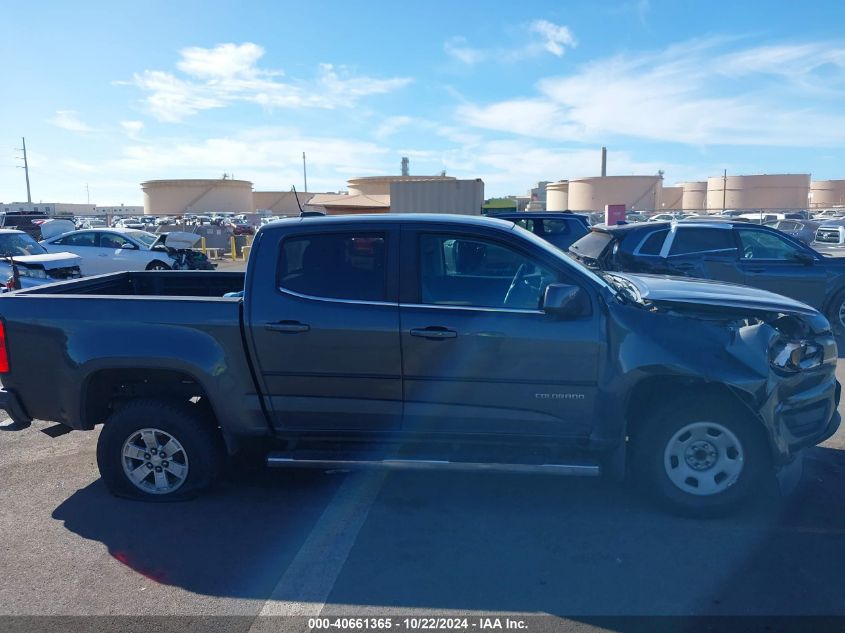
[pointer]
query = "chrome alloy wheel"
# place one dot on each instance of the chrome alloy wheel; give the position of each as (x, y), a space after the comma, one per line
(703, 458)
(154, 461)
(841, 314)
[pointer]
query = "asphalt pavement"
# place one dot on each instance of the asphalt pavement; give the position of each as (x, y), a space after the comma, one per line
(275, 542)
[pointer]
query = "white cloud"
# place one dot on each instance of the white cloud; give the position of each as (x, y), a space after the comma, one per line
(556, 38)
(458, 48)
(132, 128)
(541, 36)
(691, 93)
(68, 120)
(228, 73)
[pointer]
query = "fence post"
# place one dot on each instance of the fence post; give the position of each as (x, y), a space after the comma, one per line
(233, 248)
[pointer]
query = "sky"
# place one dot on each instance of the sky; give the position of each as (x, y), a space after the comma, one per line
(109, 94)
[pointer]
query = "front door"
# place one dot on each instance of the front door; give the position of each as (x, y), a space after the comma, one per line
(325, 333)
(479, 355)
(772, 262)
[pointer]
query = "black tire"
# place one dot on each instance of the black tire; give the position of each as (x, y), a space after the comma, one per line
(652, 462)
(833, 313)
(202, 453)
(157, 265)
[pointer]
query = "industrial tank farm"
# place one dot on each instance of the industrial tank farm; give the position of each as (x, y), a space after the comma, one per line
(767, 191)
(635, 192)
(176, 197)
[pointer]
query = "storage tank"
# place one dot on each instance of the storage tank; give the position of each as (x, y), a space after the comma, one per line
(695, 195)
(635, 192)
(764, 191)
(176, 197)
(557, 196)
(380, 185)
(437, 196)
(672, 198)
(827, 193)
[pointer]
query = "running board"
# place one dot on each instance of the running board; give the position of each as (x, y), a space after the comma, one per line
(279, 460)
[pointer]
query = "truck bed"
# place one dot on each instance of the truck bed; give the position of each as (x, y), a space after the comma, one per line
(171, 283)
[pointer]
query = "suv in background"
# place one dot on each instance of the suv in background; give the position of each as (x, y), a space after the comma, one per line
(723, 250)
(559, 228)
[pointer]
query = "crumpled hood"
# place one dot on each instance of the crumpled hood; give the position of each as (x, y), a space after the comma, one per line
(49, 261)
(704, 292)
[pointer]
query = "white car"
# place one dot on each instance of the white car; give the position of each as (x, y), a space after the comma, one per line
(112, 250)
(35, 265)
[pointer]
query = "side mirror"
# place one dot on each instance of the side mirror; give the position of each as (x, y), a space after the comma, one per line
(129, 247)
(565, 301)
(804, 258)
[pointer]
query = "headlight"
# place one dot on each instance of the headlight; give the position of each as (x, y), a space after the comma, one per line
(794, 356)
(32, 273)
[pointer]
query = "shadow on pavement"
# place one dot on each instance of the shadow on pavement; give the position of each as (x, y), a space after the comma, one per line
(230, 542)
(492, 542)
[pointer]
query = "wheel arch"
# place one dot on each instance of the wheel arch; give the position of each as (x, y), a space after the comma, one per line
(106, 388)
(652, 392)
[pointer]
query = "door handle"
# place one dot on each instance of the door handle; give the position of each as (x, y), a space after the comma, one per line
(103, 255)
(434, 332)
(287, 326)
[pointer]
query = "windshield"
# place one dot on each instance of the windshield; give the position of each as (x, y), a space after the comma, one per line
(20, 244)
(147, 239)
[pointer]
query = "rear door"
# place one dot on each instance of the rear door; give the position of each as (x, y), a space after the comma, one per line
(324, 321)
(479, 355)
(705, 252)
(771, 262)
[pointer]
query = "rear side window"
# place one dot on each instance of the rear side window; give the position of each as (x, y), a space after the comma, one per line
(653, 243)
(699, 240)
(335, 266)
(78, 239)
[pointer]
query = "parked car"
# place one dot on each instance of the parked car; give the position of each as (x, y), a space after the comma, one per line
(34, 264)
(667, 217)
(830, 214)
(830, 233)
(737, 252)
(26, 222)
(240, 227)
(129, 223)
(496, 352)
(804, 230)
(560, 228)
(112, 250)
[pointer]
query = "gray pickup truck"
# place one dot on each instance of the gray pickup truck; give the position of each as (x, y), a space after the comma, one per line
(425, 341)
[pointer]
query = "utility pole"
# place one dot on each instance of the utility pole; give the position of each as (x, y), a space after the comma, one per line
(304, 173)
(724, 190)
(26, 170)
(87, 193)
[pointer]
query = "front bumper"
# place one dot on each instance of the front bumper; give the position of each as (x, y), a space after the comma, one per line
(10, 403)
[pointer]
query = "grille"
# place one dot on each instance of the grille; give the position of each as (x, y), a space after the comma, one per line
(72, 272)
(807, 420)
(828, 235)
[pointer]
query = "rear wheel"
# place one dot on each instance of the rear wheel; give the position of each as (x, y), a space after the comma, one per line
(701, 457)
(157, 265)
(158, 451)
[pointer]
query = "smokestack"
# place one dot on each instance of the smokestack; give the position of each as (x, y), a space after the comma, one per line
(405, 170)
(604, 161)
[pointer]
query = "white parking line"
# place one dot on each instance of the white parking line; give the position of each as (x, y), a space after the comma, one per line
(308, 580)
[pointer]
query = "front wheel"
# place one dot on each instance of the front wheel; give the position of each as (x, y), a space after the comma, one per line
(702, 457)
(157, 265)
(159, 451)
(836, 313)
